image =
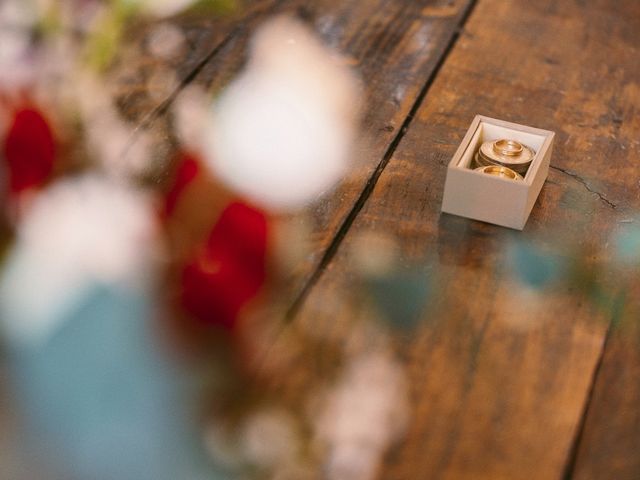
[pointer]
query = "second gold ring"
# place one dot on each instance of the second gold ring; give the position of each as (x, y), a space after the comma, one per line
(499, 171)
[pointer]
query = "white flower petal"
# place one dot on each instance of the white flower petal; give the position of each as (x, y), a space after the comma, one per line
(79, 232)
(283, 130)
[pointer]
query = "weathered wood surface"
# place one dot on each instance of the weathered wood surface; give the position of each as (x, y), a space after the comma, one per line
(556, 393)
(491, 400)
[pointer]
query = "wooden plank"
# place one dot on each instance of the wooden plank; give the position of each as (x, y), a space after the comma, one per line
(608, 448)
(490, 400)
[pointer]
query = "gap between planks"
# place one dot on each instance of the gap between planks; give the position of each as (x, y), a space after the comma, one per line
(572, 458)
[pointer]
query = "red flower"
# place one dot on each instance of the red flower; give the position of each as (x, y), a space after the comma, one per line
(187, 170)
(29, 150)
(230, 269)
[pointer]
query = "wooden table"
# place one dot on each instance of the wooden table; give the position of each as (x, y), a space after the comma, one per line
(561, 400)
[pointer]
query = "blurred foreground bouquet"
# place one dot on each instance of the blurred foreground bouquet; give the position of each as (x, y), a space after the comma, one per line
(138, 298)
(146, 269)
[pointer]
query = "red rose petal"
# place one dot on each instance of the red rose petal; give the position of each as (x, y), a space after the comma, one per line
(29, 150)
(230, 270)
(188, 169)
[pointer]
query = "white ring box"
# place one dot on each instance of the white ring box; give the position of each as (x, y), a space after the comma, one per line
(490, 198)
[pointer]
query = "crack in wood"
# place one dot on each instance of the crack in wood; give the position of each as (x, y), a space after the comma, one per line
(586, 185)
(162, 108)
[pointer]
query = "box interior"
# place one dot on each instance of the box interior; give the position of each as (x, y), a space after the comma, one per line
(487, 131)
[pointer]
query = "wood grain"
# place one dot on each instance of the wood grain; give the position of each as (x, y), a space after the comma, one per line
(492, 399)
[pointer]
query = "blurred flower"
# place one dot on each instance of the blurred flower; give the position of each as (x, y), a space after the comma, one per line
(190, 116)
(523, 307)
(281, 132)
(353, 461)
(102, 40)
(400, 295)
(364, 413)
(266, 440)
(186, 172)
(29, 150)
(4, 189)
(627, 245)
(291, 243)
(161, 84)
(108, 135)
(161, 8)
(533, 266)
(229, 270)
(399, 291)
(374, 253)
(17, 18)
(79, 15)
(15, 64)
(222, 446)
(269, 438)
(166, 41)
(80, 232)
(295, 471)
(18, 14)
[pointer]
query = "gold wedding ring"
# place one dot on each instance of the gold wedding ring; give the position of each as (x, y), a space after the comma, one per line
(499, 171)
(510, 148)
(507, 153)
